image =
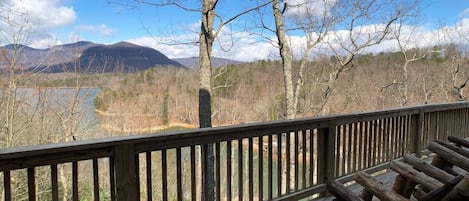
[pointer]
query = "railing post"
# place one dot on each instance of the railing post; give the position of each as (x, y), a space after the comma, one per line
(126, 172)
(325, 153)
(418, 132)
(330, 150)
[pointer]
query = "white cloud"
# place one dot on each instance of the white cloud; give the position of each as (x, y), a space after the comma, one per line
(177, 46)
(464, 13)
(44, 14)
(43, 43)
(298, 8)
(241, 46)
(102, 29)
(30, 21)
(244, 46)
(411, 37)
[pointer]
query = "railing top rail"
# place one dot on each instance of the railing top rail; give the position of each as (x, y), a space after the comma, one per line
(211, 135)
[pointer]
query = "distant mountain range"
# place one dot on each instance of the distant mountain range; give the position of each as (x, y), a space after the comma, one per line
(193, 62)
(89, 57)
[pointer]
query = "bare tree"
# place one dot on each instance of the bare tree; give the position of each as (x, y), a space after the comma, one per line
(32, 114)
(208, 34)
(406, 39)
(367, 23)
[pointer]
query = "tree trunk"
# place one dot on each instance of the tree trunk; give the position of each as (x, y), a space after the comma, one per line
(287, 60)
(205, 88)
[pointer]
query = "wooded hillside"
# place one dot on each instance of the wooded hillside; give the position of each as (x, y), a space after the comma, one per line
(252, 92)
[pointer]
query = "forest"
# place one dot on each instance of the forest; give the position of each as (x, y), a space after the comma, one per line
(252, 92)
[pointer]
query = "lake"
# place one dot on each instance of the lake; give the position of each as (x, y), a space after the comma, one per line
(61, 105)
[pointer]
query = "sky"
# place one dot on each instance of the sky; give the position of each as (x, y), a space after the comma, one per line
(173, 31)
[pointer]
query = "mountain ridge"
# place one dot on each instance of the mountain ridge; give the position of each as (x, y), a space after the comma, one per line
(193, 62)
(94, 57)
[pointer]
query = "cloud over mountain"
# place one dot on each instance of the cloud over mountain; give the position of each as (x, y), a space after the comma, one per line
(37, 15)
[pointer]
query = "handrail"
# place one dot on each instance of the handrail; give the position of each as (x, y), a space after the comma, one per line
(348, 142)
(295, 124)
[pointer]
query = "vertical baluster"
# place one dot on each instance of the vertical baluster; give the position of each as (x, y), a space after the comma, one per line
(296, 160)
(428, 128)
(261, 167)
(343, 149)
(375, 141)
(217, 170)
(405, 133)
(401, 131)
(288, 162)
(349, 149)
(251, 168)
(75, 181)
(31, 184)
(137, 177)
(358, 146)
(54, 183)
(370, 145)
(311, 157)
(465, 125)
(357, 152)
(465, 112)
(337, 150)
(303, 168)
(381, 140)
(193, 175)
(179, 174)
(240, 169)
(369, 149)
(149, 176)
(112, 179)
(396, 144)
(398, 136)
(228, 171)
(279, 164)
(269, 177)
(378, 141)
(7, 185)
(386, 140)
(466, 122)
(164, 174)
(95, 179)
(436, 125)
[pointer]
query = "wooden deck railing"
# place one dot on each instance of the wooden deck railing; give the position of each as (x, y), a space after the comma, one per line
(282, 160)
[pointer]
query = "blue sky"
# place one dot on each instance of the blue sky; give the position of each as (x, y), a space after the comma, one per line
(65, 21)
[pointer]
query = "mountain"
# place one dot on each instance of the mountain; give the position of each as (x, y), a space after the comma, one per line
(84, 56)
(119, 57)
(31, 57)
(193, 62)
